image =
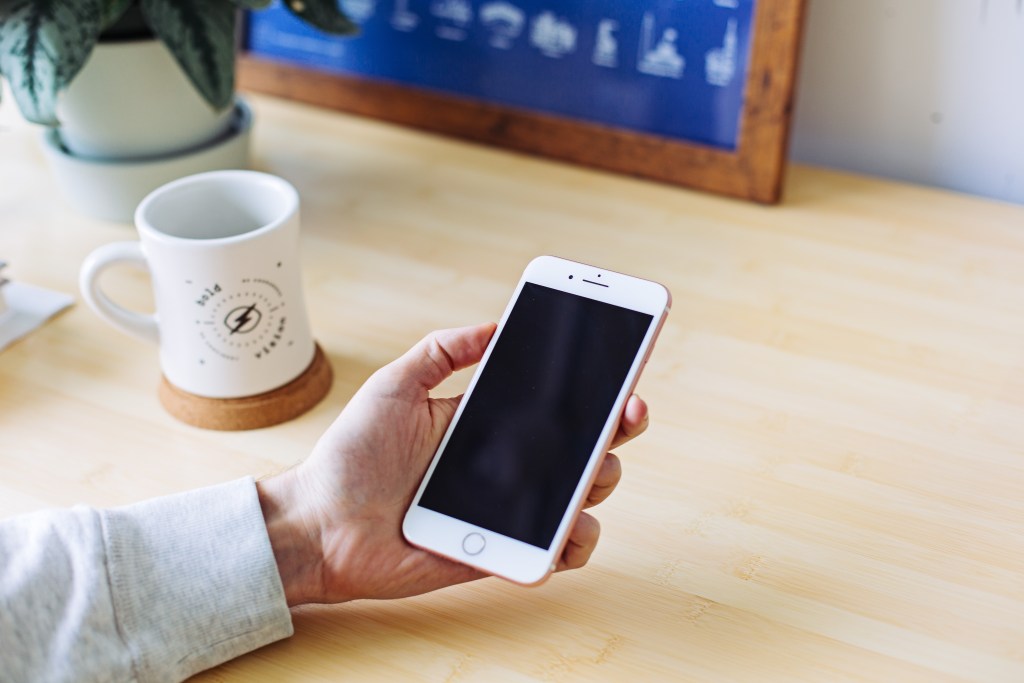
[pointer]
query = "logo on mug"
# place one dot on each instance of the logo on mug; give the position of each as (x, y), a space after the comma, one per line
(246, 320)
(242, 320)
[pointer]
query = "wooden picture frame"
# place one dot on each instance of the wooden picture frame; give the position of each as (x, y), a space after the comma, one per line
(753, 171)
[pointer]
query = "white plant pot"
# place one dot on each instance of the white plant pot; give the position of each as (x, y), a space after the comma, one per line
(110, 190)
(131, 100)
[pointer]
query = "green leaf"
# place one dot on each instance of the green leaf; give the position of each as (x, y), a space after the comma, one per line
(323, 14)
(43, 45)
(113, 10)
(8, 6)
(201, 36)
(252, 4)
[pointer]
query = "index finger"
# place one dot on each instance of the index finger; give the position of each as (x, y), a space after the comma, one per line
(635, 419)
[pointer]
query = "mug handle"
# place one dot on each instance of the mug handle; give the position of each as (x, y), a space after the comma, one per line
(139, 324)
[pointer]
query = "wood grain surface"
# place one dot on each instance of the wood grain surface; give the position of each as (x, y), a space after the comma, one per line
(832, 486)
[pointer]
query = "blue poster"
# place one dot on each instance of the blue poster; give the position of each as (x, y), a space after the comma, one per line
(673, 68)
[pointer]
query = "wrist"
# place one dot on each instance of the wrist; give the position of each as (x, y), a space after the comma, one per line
(295, 542)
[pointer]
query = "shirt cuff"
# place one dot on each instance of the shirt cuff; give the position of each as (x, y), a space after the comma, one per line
(193, 579)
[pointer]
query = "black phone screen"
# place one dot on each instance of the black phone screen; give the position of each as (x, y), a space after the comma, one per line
(517, 453)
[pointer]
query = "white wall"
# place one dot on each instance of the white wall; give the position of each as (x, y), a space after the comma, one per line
(930, 91)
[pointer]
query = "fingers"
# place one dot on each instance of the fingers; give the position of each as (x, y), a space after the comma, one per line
(585, 533)
(634, 422)
(635, 419)
(441, 353)
(608, 476)
(582, 541)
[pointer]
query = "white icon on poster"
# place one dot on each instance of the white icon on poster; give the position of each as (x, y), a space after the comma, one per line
(402, 18)
(606, 49)
(662, 59)
(457, 13)
(728, 4)
(720, 62)
(359, 10)
(554, 37)
(505, 22)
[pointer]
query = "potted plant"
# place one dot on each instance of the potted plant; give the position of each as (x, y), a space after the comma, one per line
(134, 92)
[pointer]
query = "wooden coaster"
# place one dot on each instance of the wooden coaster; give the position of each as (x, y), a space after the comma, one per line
(251, 412)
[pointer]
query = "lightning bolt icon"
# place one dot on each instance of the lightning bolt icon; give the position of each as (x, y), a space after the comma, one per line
(242, 319)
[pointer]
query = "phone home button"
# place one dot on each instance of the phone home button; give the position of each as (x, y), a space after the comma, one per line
(474, 543)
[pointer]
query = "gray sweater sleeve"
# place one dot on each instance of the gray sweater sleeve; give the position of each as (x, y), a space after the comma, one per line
(150, 592)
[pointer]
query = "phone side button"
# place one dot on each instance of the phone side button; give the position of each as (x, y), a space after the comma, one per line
(474, 543)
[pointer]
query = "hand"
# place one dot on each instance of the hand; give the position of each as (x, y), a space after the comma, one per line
(335, 520)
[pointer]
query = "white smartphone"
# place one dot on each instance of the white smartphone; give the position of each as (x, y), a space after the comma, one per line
(514, 468)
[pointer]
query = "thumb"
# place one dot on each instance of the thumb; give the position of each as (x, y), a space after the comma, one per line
(439, 354)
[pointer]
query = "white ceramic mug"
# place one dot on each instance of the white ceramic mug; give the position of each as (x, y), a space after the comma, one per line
(222, 251)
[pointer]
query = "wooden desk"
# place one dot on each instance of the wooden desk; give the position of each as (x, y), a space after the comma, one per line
(832, 487)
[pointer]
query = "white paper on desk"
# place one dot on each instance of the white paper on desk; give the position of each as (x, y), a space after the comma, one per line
(28, 307)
